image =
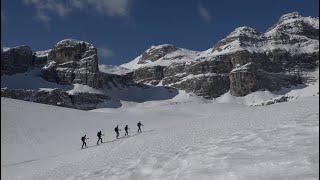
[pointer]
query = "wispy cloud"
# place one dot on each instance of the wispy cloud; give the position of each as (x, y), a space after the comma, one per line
(47, 8)
(204, 13)
(105, 52)
(103, 7)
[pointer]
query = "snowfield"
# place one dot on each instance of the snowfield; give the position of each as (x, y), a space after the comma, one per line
(181, 139)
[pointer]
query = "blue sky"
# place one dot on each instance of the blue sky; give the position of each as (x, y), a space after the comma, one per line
(123, 29)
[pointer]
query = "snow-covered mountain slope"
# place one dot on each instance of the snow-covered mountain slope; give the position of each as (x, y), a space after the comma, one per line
(164, 55)
(179, 141)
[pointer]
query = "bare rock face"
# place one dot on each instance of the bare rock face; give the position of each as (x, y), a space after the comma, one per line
(204, 78)
(117, 81)
(243, 80)
(16, 60)
(249, 78)
(71, 61)
(88, 101)
(208, 79)
(41, 58)
(58, 97)
(152, 75)
(55, 97)
(208, 85)
(214, 66)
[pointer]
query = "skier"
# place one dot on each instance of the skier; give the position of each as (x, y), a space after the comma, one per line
(116, 129)
(126, 129)
(99, 134)
(83, 139)
(139, 126)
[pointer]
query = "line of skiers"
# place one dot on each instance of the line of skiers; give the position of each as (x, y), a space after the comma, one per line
(116, 129)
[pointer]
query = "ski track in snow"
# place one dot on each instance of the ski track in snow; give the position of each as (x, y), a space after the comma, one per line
(181, 141)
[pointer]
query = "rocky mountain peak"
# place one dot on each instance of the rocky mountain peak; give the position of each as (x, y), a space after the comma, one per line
(295, 24)
(244, 31)
(288, 16)
(156, 52)
(162, 55)
(72, 61)
(161, 46)
(238, 40)
(75, 51)
(72, 43)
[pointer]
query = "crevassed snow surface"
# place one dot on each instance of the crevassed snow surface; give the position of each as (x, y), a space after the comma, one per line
(194, 140)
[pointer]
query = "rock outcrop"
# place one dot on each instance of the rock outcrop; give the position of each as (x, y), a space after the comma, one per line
(205, 78)
(16, 60)
(71, 61)
(206, 85)
(243, 80)
(152, 75)
(41, 58)
(58, 97)
(249, 78)
(21, 59)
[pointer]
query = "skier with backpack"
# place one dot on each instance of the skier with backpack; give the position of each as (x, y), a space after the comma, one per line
(126, 128)
(99, 134)
(139, 126)
(83, 139)
(116, 129)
